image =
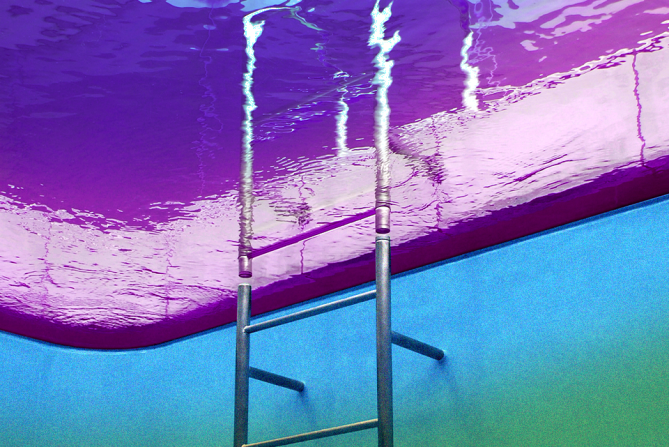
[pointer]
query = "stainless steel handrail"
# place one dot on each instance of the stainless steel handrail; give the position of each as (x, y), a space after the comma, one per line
(342, 429)
(350, 301)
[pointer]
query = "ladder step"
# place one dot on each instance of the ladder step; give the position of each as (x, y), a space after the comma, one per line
(361, 298)
(417, 346)
(275, 379)
(342, 429)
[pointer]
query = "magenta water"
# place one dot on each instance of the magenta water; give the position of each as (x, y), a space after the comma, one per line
(122, 129)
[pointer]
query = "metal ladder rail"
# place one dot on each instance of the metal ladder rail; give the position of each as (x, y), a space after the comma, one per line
(385, 337)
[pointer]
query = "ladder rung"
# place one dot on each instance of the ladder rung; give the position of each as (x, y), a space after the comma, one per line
(275, 379)
(417, 346)
(311, 312)
(342, 429)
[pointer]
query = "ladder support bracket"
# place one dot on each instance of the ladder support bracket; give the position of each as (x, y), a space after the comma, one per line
(417, 346)
(276, 379)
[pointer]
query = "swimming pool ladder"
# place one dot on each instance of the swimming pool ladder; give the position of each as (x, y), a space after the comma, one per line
(385, 337)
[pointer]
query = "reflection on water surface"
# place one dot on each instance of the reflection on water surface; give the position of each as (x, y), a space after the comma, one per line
(122, 125)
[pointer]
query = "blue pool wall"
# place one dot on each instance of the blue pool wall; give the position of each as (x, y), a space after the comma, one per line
(560, 339)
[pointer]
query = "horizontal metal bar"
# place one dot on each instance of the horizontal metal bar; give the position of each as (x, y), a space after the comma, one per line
(417, 346)
(275, 379)
(311, 312)
(350, 428)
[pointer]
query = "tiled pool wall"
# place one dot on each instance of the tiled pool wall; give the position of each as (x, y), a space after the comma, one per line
(561, 339)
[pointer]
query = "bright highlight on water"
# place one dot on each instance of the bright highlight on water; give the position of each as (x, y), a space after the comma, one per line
(342, 118)
(469, 100)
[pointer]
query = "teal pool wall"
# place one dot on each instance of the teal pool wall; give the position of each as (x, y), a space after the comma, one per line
(560, 339)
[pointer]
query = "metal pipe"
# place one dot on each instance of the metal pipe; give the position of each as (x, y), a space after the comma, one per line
(384, 360)
(417, 346)
(276, 379)
(241, 430)
(382, 219)
(245, 269)
(350, 428)
(311, 312)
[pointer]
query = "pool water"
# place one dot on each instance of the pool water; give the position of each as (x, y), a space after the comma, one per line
(124, 126)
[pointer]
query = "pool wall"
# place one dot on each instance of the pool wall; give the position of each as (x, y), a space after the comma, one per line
(559, 339)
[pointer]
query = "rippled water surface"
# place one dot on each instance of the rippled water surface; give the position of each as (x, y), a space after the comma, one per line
(134, 136)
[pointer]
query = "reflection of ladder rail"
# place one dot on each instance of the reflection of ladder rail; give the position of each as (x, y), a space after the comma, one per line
(385, 337)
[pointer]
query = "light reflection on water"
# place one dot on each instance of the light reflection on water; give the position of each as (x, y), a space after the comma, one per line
(469, 99)
(110, 221)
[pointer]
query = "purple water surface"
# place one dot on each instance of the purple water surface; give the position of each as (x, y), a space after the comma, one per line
(120, 143)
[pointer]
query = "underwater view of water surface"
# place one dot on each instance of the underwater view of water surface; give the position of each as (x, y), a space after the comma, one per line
(145, 144)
